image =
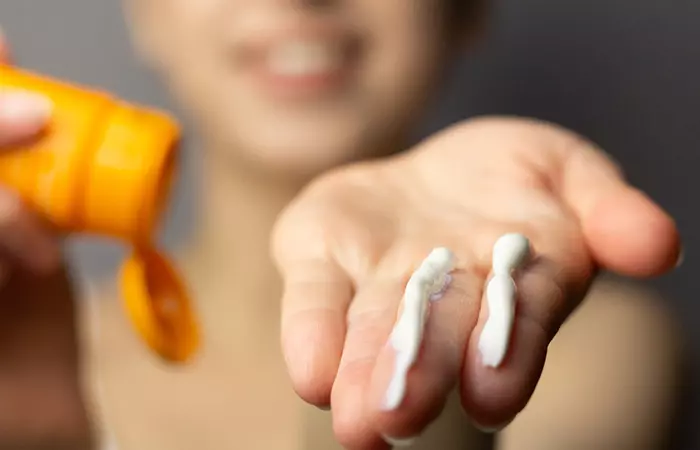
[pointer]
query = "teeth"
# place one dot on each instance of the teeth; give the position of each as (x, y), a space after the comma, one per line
(298, 58)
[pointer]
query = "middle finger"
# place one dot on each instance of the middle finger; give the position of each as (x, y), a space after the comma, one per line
(359, 411)
(436, 370)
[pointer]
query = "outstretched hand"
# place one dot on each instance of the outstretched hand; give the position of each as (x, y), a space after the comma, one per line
(347, 245)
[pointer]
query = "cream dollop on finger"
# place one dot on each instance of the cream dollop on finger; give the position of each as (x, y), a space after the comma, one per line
(510, 252)
(428, 283)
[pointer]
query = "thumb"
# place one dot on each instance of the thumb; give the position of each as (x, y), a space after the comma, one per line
(625, 231)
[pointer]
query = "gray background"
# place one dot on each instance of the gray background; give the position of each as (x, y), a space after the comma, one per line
(623, 72)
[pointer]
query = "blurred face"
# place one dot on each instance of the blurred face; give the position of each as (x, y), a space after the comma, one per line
(297, 86)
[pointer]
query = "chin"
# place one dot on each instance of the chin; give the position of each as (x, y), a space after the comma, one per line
(301, 160)
(304, 154)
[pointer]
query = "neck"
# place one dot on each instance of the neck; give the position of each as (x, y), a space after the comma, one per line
(239, 209)
(228, 258)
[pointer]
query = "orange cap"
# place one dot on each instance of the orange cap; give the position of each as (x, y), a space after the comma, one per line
(158, 305)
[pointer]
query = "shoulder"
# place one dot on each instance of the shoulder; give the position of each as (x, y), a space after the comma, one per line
(619, 315)
(616, 297)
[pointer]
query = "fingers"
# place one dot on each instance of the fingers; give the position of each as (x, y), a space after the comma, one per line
(624, 229)
(361, 419)
(23, 238)
(22, 116)
(435, 373)
(369, 323)
(315, 301)
(547, 290)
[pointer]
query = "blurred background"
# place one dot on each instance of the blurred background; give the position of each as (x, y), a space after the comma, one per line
(625, 73)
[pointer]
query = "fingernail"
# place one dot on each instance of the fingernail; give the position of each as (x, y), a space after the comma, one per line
(681, 258)
(324, 407)
(399, 442)
(24, 106)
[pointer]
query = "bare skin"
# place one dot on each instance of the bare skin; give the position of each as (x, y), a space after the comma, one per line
(257, 348)
(40, 381)
(343, 246)
(590, 417)
(40, 386)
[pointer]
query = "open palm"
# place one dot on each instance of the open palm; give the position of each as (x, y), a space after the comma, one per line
(348, 244)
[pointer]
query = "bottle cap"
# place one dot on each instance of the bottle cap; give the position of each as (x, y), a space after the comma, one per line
(105, 167)
(128, 183)
(158, 305)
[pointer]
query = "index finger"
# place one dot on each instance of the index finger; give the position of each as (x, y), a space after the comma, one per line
(22, 114)
(314, 304)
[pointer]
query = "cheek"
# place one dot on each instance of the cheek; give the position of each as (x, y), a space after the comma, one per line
(407, 54)
(193, 69)
(191, 36)
(401, 83)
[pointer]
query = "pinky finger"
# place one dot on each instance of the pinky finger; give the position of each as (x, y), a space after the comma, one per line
(316, 297)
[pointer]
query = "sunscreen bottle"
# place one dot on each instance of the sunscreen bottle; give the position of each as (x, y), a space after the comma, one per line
(105, 167)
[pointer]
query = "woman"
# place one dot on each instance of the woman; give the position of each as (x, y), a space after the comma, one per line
(303, 108)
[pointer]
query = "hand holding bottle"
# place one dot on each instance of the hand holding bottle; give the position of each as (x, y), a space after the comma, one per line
(24, 240)
(41, 403)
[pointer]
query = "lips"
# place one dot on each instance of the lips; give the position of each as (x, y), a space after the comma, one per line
(300, 62)
(304, 58)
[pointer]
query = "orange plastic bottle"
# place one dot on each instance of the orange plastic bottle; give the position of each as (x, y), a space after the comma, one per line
(105, 167)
